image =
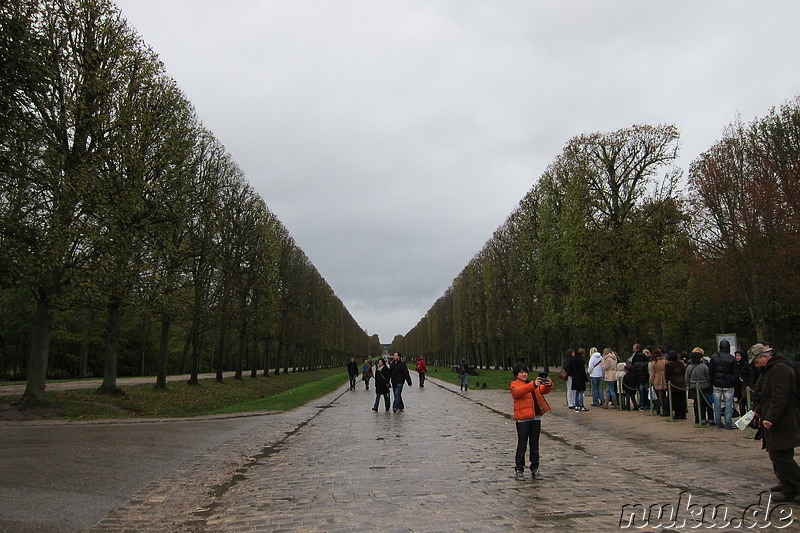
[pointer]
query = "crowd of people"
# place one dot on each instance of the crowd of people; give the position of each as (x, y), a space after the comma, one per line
(721, 386)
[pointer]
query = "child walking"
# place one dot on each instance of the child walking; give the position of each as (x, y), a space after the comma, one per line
(529, 406)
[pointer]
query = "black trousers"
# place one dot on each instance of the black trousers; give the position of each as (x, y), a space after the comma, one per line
(678, 403)
(786, 470)
(528, 436)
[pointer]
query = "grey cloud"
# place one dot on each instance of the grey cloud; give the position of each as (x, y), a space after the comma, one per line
(392, 138)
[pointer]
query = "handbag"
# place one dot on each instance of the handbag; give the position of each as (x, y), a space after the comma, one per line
(563, 375)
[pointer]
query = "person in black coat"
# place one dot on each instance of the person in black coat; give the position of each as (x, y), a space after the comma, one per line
(567, 367)
(579, 379)
(640, 362)
(779, 416)
(629, 388)
(352, 371)
(382, 380)
(399, 377)
(723, 374)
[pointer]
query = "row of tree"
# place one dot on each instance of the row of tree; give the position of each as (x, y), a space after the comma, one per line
(606, 250)
(115, 201)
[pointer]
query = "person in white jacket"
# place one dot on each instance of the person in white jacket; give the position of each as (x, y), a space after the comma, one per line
(595, 371)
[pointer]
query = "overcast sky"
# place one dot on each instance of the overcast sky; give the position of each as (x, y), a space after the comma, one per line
(393, 137)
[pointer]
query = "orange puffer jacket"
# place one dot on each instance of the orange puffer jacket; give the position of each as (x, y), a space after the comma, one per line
(523, 400)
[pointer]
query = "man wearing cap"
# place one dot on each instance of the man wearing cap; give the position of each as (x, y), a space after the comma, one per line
(777, 409)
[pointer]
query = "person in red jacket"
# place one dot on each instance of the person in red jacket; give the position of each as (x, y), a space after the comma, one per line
(529, 406)
(422, 368)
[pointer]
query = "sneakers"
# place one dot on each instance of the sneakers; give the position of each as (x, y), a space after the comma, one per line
(520, 474)
(581, 409)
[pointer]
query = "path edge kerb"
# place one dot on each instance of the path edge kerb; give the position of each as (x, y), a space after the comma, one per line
(122, 421)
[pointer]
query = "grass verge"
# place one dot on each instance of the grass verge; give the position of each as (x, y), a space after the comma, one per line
(494, 379)
(282, 392)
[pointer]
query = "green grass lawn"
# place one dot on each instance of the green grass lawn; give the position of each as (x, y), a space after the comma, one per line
(494, 379)
(282, 392)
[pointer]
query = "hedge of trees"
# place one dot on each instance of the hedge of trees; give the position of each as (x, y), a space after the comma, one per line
(130, 241)
(607, 250)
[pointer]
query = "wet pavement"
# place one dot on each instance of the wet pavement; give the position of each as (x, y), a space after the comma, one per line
(446, 464)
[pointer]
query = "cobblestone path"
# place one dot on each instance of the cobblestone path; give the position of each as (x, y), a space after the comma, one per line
(446, 464)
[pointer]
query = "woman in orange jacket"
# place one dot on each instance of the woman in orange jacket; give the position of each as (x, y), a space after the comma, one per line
(529, 406)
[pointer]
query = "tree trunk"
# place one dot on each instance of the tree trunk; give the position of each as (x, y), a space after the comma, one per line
(37, 363)
(659, 327)
(185, 352)
(223, 338)
(85, 335)
(144, 342)
(545, 352)
(197, 352)
(161, 377)
(267, 355)
(195, 336)
(240, 356)
(3, 363)
(109, 385)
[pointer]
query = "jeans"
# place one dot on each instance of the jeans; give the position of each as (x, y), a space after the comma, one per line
(527, 435)
(644, 395)
(398, 404)
(597, 392)
(723, 395)
(378, 400)
(579, 398)
(611, 391)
